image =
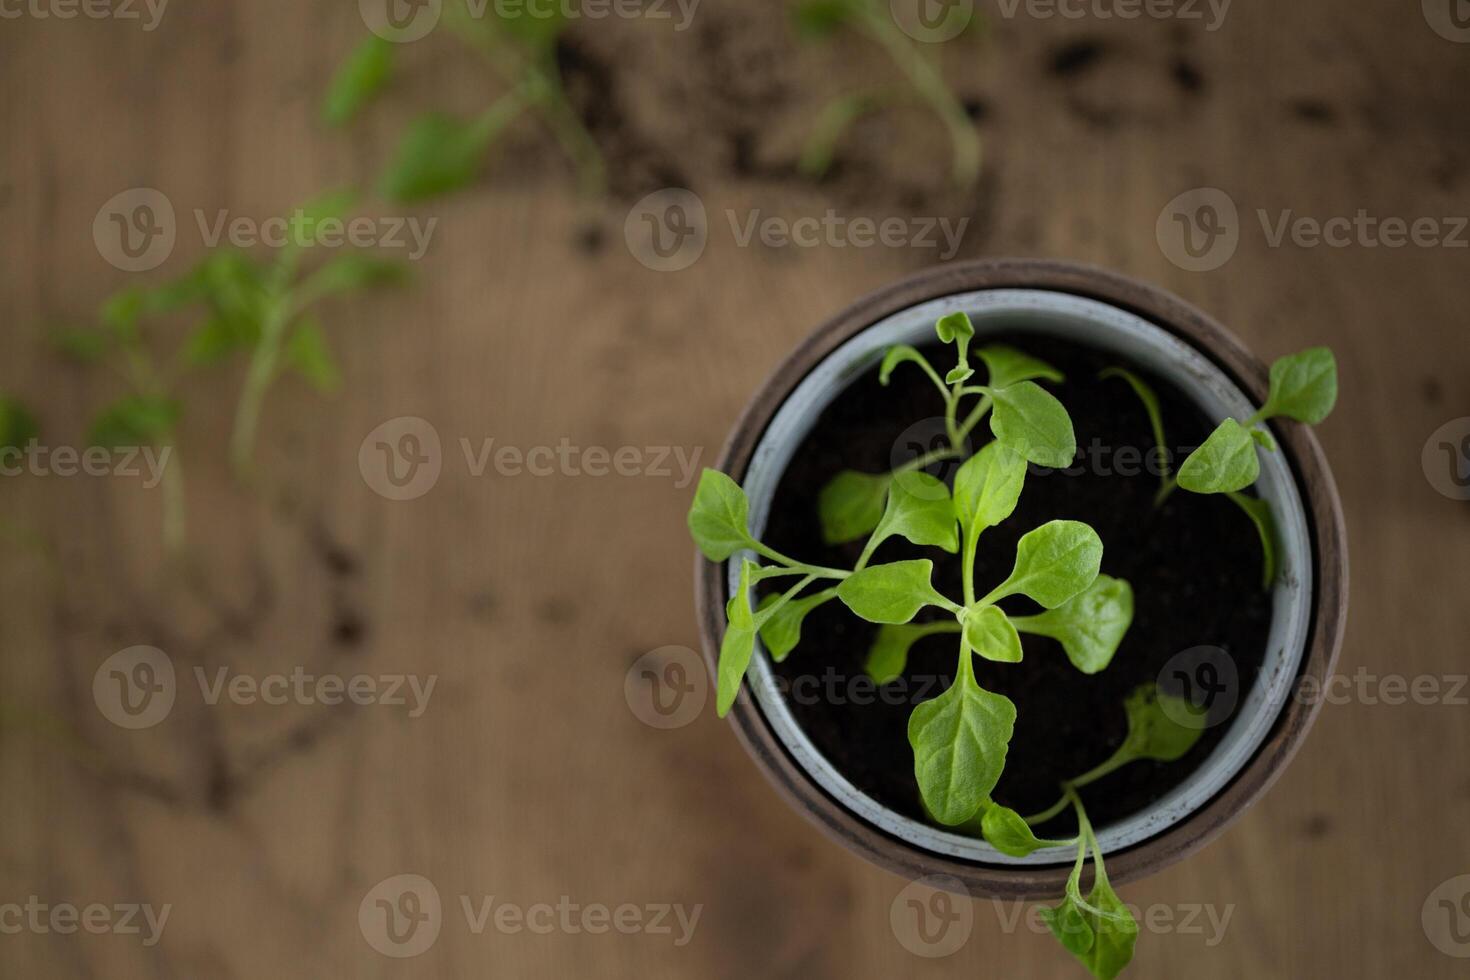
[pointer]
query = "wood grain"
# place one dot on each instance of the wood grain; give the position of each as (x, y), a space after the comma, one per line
(529, 597)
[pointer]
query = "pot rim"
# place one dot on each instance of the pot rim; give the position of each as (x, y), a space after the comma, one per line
(1300, 450)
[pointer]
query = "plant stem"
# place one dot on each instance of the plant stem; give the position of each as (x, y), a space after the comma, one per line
(258, 377)
(818, 571)
(973, 419)
(1165, 488)
(929, 83)
(174, 527)
(919, 462)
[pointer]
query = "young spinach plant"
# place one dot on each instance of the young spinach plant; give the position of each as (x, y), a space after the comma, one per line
(874, 20)
(960, 738)
(440, 153)
(1303, 387)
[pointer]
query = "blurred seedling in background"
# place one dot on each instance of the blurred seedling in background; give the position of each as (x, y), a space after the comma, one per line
(261, 308)
(441, 153)
(1303, 387)
(917, 61)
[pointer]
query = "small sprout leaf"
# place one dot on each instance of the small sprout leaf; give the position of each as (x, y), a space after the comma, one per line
(1153, 732)
(987, 487)
(358, 80)
(1260, 514)
(781, 629)
(851, 504)
(17, 425)
(1303, 386)
(719, 515)
(739, 642)
(135, 420)
(1054, 562)
(1008, 833)
(920, 510)
(1226, 461)
(890, 651)
(1090, 625)
(991, 635)
(308, 352)
(1007, 366)
(891, 593)
(1030, 421)
(959, 741)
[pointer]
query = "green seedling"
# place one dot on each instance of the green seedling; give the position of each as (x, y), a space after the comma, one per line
(441, 153)
(873, 20)
(960, 738)
(264, 309)
(1303, 387)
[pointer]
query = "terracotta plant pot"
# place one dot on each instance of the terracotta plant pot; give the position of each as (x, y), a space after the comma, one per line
(1143, 326)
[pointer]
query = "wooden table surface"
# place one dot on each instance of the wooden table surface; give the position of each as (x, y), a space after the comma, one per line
(528, 778)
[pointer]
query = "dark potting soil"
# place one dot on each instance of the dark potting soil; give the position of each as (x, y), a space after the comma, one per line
(1194, 563)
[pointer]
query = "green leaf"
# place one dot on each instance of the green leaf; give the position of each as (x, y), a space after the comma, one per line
(216, 338)
(781, 629)
(135, 420)
(890, 651)
(1153, 732)
(1054, 562)
(1260, 514)
(900, 353)
(1114, 931)
(1030, 421)
(1224, 462)
(308, 352)
(1263, 439)
(360, 77)
(851, 504)
(818, 18)
(1303, 386)
(891, 593)
(534, 25)
(1150, 401)
(959, 741)
(739, 642)
(1071, 926)
(1006, 366)
(719, 516)
(352, 271)
(84, 344)
(919, 509)
(987, 487)
(306, 219)
(1008, 833)
(1090, 625)
(834, 119)
(122, 311)
(990, 634)
(17, 425)
(439, 154)
(956, 328)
